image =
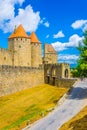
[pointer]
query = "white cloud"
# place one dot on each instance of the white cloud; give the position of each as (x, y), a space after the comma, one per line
(16, 1)
(71, 59)
(42, 20)
(7, 9)
(68, 57)
(46, 24)
(59, 34)
(85, 27)
(68, 61)
(73, 42)
(59, 46)
(79, 24)
(27, 17)
(47, 36)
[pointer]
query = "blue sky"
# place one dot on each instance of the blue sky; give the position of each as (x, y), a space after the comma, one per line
(57, 22)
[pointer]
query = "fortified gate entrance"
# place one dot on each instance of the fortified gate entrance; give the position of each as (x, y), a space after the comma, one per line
(54, 72)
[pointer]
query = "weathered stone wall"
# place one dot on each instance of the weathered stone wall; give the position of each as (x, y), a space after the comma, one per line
(53, 70)
(57, 70)
(13, 79)
(36, 56)
(20, 49)
(60, 82)
(58, 75)
(50, 57)
(65, 70)
(64, 82)
(5, 57)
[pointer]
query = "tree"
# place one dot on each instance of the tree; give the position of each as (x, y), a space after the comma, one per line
(82, 62)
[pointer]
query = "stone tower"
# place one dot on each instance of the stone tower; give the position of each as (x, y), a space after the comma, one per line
(19, 47)
(36, 56)
(50, 55)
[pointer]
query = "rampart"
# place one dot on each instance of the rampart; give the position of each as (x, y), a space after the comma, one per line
(65, 82)
(58, 75)
(14, 79)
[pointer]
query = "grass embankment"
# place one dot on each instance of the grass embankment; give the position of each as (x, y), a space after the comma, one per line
(17, 110)
(79, 122)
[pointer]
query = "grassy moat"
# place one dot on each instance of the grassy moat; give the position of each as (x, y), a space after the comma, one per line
(79, 122)
(25, 107)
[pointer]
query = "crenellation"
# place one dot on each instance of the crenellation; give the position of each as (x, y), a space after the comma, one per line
(22, 65)
(18, 68)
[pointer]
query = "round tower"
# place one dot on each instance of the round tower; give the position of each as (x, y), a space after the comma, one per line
(36, 54)
(19, 47)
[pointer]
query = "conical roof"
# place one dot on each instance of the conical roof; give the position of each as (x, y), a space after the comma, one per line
(50, 48)
(19, 32)
(34, 38)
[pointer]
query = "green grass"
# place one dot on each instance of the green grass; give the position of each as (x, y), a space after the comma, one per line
(79, 122)
(18, 109)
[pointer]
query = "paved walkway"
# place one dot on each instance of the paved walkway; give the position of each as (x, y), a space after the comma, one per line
(76, 100)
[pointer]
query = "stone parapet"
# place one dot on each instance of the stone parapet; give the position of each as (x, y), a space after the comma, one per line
(14, 79)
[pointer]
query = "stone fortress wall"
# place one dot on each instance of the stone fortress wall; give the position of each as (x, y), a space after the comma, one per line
(36, 55)
(14, 79)
(20, 49)
(5, 57)
(23, 50)
(22, 65)
(50, 55)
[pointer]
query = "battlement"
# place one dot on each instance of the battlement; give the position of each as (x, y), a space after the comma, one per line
(21, 64)
(9, 68)
(3, 50)
(17, 78)
(36, 44)
(64, 63)
(57, 64)
(56, 71)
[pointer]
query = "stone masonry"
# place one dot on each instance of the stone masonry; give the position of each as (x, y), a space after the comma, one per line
(22, 65)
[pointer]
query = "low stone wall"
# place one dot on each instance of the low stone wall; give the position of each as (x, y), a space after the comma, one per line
(13, 79)
(60, 82)
(65, 82)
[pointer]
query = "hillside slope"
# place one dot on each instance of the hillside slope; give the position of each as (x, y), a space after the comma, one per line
(75, 101)
(19, 109)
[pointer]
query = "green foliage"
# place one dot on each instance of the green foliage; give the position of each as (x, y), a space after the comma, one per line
(74, 72)
(81, 68)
